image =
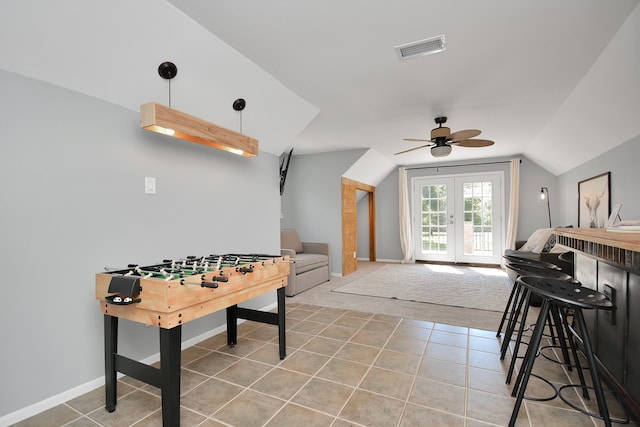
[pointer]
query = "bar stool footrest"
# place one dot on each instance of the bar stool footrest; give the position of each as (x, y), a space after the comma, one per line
(569, 366)
(543, 399)
(593, 414)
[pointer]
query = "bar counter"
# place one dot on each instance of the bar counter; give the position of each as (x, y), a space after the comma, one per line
(609, 262)
(616, 247)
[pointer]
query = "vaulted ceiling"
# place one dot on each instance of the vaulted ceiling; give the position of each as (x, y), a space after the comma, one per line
(555, 81)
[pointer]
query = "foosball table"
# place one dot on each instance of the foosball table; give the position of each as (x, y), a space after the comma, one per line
(171, 293)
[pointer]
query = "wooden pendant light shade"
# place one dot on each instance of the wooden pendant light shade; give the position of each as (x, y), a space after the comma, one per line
(165, 120)
(162, 119)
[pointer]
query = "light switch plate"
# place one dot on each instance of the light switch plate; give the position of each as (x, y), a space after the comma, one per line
(149, 185)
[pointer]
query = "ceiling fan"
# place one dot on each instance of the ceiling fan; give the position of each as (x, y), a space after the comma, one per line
(442, 139)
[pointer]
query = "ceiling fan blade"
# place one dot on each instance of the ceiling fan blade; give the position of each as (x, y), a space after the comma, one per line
(416, 140)
(473, 143)
(464, 134)
(412, 149)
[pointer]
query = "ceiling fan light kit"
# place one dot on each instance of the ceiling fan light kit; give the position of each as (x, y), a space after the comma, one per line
(440, 150)
(159, 118)
(442, 139)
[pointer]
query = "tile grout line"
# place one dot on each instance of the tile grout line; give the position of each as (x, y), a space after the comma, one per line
(289, 401)
(277, 366)
(355, 388)
(415, 374)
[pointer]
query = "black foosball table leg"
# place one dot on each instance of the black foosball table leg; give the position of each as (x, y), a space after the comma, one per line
(170, 343)
(232, 325)
(110, 351)
(282, 333)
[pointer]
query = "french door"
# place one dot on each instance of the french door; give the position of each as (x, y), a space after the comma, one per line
(458, 218)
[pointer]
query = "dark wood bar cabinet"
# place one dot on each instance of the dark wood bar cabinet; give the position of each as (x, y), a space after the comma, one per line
(609, 262)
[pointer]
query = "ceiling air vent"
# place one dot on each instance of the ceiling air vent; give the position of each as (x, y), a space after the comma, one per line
(421, 47)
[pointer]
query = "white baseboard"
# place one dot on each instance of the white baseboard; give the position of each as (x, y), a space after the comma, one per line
(65, 396)
(381, 260)
(50, 402)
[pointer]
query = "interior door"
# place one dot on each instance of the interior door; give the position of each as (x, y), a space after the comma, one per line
(458, 218)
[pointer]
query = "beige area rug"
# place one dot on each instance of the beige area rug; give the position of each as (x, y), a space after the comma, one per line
(479, 288)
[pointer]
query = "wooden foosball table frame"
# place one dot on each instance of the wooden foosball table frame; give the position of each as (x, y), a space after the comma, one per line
(169, 303)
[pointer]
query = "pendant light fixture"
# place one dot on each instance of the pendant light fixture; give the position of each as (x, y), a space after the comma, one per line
(159, 118)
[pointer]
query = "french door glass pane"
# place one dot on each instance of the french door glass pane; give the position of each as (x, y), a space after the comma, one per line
(434, 219)
(478, 222)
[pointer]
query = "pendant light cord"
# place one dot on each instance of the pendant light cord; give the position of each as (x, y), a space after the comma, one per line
(168, 70)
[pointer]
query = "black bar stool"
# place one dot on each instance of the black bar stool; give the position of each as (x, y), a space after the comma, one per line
(520, 310)
(525, 260)
(566, 262)
(563, 294)
(511, 259)
(514, 289)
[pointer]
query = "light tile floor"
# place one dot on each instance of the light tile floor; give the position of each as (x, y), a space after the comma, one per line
(343, 368)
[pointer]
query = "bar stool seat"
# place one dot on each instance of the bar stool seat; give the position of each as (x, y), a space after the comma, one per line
(571, 295)
(512, 263)
(536, 262)
(529, 261)
(527, 268)
(514, 303)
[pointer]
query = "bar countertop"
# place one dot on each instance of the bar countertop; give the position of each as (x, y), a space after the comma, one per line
(615, 239)
(622, 248)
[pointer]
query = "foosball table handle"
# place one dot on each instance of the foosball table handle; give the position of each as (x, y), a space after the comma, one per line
(245, 270)
(213, 285)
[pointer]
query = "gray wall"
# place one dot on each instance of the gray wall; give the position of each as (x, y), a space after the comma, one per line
(622, 162)
(387, 221)
(72, 174)
(314, 172)
(312, 199)
(533, 215)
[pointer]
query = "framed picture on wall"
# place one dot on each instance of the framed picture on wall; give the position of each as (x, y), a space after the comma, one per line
(594, 201)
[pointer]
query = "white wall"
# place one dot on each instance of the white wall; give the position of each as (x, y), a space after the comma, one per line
(371, 168)
(72, 174)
